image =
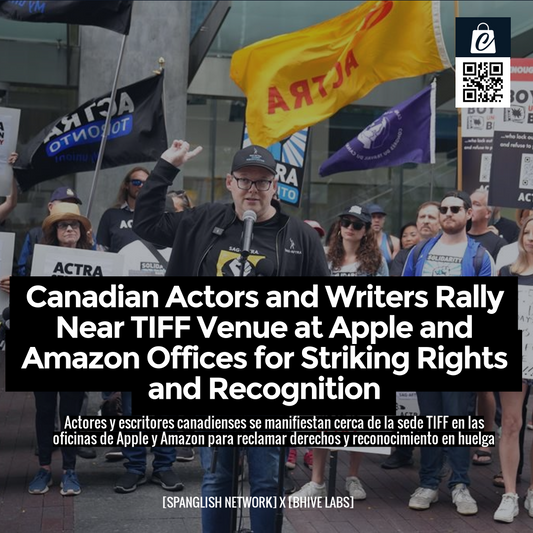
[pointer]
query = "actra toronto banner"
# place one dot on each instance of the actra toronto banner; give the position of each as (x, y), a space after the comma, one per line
(71, 144)
(296, 80)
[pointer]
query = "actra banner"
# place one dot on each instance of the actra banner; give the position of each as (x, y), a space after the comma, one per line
(296, 80)
(71, 143)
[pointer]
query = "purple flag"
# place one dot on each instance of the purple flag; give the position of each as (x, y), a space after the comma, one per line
(403, 134)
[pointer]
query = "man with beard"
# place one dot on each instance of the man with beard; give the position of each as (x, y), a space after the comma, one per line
(115, 228)
(453, 252)
(427, 224)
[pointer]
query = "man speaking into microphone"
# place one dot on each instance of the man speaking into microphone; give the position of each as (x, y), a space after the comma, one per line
(250, 237)
(211, 239)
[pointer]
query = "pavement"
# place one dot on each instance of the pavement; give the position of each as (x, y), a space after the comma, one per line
(100, 510)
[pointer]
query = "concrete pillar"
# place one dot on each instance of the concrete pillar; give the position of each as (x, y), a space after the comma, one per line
(158, 29)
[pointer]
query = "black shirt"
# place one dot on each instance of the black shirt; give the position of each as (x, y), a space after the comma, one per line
(522, 280)
(491, 242)
(115, 229)
(508, 229)
(223, 257)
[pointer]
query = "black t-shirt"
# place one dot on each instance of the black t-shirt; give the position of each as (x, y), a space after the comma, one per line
(223, 258)
(114, 230)
(508, 229)
(491, 242)
(522, 280)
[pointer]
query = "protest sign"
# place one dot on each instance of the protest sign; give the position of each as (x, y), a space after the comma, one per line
(72, 262)
(525, 323)
(9, 131)
(511, 174)
(7, 248)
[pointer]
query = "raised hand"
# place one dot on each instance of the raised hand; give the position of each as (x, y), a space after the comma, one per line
(179, 153)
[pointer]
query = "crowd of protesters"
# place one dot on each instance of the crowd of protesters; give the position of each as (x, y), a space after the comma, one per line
(461, 235)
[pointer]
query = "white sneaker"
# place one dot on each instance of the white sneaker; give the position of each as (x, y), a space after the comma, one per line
(508, 508)
(423, 498)
(528, 502)
(355, 489)
(310, 490)
(466, 505)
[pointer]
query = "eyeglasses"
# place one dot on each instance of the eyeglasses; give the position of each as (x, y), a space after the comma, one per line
(74, 224)
(453, 208)
(356, 224)
(137, 183)
(245, 184)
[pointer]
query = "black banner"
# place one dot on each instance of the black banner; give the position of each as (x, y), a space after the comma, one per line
(115, 16)
(218, 346)
(71, 143)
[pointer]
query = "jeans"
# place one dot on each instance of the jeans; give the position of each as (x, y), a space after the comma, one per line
(164, 456)
(432, 457)
(45, 404)
(263, 466)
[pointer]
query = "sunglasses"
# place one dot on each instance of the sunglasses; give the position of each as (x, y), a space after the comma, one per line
(454, 209)
(65, 225)
(137, 183)
(356, 225)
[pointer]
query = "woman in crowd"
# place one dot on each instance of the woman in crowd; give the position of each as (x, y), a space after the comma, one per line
(65, 227)
(352, 251)
(409, 235)
(511, 402)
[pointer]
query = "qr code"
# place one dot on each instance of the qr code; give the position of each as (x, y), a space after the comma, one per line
(526, 172)
(482, 82)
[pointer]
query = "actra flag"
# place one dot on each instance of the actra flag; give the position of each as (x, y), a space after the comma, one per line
(296, 80)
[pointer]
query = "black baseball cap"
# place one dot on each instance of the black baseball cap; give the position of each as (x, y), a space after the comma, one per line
(254, 156)
(375, 209)
(62, 194)
(357, 211)
(459, 194)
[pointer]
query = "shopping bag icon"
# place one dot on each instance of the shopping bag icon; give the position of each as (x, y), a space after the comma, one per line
(483, 41)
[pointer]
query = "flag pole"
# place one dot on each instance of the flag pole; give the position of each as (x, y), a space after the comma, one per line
(158, 72)
(106, 128)
(161, 62)
(459, 127)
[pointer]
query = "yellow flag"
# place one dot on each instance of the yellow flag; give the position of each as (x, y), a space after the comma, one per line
(296, 80)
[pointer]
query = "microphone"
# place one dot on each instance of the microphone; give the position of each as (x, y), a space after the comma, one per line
(264, 268)
(248, 219)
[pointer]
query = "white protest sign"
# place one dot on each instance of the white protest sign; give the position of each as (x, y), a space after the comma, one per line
(407, 404)
(7, 249)
(140, 261)
(73, 262)
(525, 323)
(9, 131)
